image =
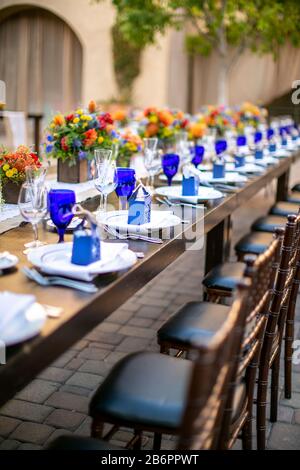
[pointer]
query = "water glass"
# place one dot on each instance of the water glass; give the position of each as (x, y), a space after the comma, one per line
(126, 181)
(105, 181)
(102, 156)
(170, 164)
(198, 154)
(60, 205)
(32, 203)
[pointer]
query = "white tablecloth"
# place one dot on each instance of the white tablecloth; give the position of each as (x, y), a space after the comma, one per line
(10, 216)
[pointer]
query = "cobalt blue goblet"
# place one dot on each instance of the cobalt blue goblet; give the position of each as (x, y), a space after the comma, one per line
(60, 204)
(170, 164)
(257, 137)
(198, 154)
(220, 146)
(125, 184)
(241, 141)
(270, 134)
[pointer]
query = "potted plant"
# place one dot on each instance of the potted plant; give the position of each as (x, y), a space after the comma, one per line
(72, 139)
(12, 171)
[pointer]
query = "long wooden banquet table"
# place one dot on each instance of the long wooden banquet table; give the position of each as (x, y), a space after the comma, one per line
(83, 312)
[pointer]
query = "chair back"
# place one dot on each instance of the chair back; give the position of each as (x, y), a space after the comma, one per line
(262, 272)
(214, 359)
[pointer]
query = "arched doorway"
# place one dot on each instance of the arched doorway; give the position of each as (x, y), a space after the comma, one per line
(40, 61)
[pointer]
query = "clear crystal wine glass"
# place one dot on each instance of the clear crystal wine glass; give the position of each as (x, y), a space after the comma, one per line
(32, 203)
(152, 161)
(105, 181)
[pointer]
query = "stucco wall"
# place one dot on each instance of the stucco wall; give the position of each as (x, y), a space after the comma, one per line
(92, 22)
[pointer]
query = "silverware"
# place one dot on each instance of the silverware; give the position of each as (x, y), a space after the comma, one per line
(34, 275)
(131, 236)
(177, 204)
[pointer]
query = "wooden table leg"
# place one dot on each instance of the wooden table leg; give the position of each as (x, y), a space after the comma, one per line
(283, 186)
(215, 246)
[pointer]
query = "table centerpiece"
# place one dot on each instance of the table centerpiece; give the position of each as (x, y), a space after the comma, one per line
(72, 139)
(13, 167)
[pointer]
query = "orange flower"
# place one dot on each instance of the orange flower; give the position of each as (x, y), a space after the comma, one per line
(91, 136)
(151, 130)
(119, 115)
(197, 130)
(58, 120)
(92, 106)
(165, 117)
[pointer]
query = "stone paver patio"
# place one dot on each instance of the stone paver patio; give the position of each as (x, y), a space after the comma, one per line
(56, 402)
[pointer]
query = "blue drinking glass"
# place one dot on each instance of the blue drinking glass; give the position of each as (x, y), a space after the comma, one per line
(220, 146)
(198, 154)
(170, 164)
(270, 134)
(126, 181)
(257, 137)
(60, 204)
(241, 141)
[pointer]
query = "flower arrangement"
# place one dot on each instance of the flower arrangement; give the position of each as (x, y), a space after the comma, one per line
(74, 136)
(13, 164)
(180, 120)
(120, 117)
(249, 114)
(219, 118)
(129, 144)
(197, 128)
(157, 123)
(13, 171)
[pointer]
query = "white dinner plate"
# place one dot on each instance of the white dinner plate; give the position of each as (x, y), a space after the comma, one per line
(56, 259)
(25, 326)
(175, 192)
(159, 220)
(266, 161)
(207, 176)
(248, 168)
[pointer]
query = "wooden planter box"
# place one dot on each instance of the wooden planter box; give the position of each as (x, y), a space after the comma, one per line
(10, 192)
(78, 173)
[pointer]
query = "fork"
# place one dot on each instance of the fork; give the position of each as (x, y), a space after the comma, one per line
(34, 275)
(132, 236)
(177, 204)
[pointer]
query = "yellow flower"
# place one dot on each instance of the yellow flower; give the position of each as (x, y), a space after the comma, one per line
(84, 124)
(100, 139)
(9, 173)
(5, 167)
(79, 111)
(52, 125)
(153, 119)
(15, 171)
(85, 117)
(76, 120)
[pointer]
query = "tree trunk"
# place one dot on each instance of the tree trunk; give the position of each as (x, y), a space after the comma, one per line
(223, 95)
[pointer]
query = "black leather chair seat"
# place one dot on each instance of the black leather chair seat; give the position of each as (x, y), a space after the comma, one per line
(147, 390)
(294, 197)
(268, 223)
(71, 442)
(296, 187)
(224, 276)
(194, 319)
(254, 243)
(285, 208)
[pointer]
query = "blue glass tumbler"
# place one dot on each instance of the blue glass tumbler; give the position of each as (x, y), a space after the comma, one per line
(126, 181)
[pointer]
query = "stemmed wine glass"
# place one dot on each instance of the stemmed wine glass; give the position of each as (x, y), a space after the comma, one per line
(151, 159)
(170, 163)
(182, 147)
(105, 181)
(125, 184)
(198, 154)
(32, 203)
(60, 204)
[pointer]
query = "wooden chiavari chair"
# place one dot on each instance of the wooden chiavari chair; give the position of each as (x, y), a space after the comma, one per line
(279, 312)
(148, 391)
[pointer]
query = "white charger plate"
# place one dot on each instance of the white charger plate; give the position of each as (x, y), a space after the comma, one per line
(248, 168)
(56, 259)
(175, 192)
(75, 222)
(25, 326)
(266, 161)
(159, 220)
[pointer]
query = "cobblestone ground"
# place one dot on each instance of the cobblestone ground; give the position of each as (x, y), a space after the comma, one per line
(56, 402)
